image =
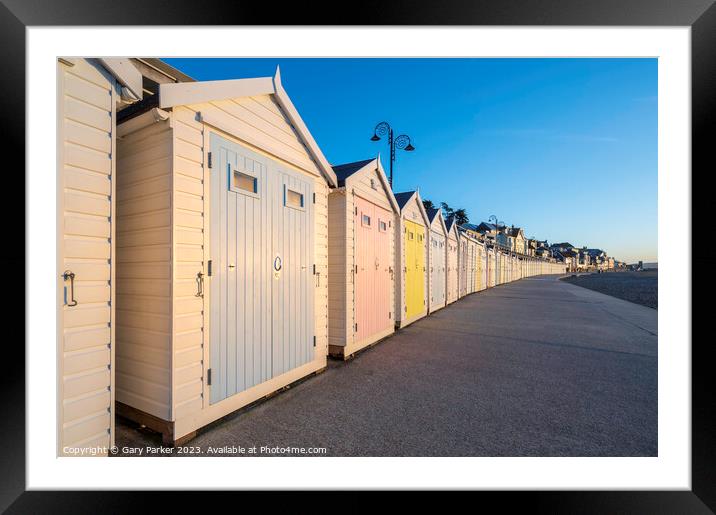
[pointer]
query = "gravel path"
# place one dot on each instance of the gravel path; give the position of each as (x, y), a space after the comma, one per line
(538, 367)
(638, 287)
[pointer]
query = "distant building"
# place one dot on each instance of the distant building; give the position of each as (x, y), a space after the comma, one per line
(496, 233)
(517, 240)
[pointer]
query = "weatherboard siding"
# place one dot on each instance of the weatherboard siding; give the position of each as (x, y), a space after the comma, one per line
(86, 123)
(144, 269)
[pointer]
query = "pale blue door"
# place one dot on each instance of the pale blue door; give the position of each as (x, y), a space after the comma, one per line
(261, 294)
(293, 281)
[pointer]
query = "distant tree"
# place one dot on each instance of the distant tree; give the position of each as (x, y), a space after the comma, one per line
(428, 204)
(447, 210)
(461, 216)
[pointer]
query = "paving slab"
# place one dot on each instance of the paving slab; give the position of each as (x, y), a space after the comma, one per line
(537, 367)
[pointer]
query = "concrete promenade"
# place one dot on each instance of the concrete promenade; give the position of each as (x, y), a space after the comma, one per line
(538, 367)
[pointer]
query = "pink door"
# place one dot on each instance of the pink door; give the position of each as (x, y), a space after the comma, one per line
(373, 279)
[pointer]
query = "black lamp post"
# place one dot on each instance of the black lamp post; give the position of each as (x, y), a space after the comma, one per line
(402, 142)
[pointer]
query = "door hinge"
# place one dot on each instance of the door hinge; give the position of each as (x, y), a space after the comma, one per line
(208, 377)
(390, 315)
(356, 209)
(208, 268)
(314, 268)
(314, 197)
(209, 160)
(356, 328)
(314, 341)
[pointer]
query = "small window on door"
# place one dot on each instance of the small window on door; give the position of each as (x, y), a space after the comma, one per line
(382, 226)
(410, 235)
(365, 220)
(243, 182)
(293, 199)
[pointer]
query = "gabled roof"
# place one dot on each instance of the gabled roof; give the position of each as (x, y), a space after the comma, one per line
(404, 197)
(434, 213)
(451, 225)
(347, 171)
(187, 93)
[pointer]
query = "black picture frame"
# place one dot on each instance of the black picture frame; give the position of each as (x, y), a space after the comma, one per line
(16, 15)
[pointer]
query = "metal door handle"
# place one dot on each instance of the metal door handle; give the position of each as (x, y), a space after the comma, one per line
(69, 274)
(200, 284)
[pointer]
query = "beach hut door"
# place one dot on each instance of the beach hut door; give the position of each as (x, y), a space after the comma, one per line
(260, 288)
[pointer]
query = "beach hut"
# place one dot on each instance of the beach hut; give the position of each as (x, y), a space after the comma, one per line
(222, 236)
(411, 259)
(362, 215)
(467, 263)
(452, 272)
(90, 92)
(492, 271)
(479, 249)
(437, 257)
(483, 282)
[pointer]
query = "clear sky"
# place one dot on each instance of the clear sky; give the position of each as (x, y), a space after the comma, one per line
(565, 148)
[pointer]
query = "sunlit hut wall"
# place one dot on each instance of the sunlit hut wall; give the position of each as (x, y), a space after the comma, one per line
(437, 256)
(362, 222)
(468, 262)
(90, 93)
(452, 268)
(222, 202)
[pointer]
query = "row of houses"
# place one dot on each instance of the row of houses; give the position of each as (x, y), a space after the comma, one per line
(209, 255)
(512, 239)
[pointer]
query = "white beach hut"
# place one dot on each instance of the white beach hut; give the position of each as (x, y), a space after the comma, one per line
(222, 259)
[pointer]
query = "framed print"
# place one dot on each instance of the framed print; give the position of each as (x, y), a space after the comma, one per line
(420, 254)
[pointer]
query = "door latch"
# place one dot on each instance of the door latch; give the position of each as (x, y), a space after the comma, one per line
(199, 284)
(69, 274)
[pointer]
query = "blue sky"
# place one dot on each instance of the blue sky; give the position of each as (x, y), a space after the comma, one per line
(566, 148)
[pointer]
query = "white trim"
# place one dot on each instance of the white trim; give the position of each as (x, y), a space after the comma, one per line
(126, 73)
(209, 119)
(376, 166)
(420, 205)
(188, 93)
(288, 107)
(442, 221)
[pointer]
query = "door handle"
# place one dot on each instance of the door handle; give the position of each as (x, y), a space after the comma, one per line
(69, 274)
(199, 284)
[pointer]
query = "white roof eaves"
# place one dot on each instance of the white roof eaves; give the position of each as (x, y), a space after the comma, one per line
(442, 221)
(188, 93)
(419, 200)
(298, 124)
(377, 166)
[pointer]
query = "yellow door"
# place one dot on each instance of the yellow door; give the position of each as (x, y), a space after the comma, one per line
(414, 269)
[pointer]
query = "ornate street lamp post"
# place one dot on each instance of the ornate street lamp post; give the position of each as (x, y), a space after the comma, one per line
(402, 142)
